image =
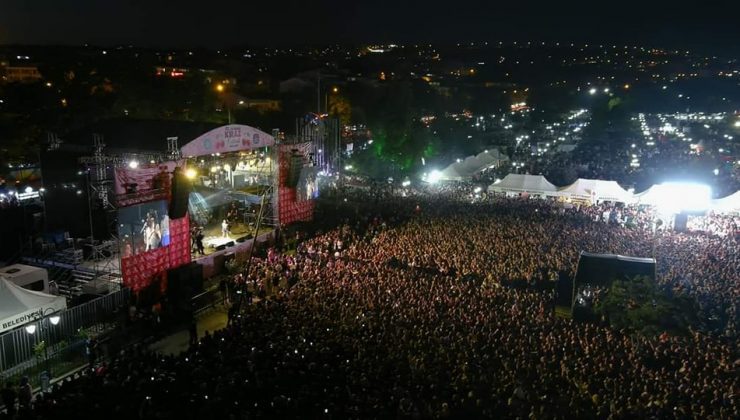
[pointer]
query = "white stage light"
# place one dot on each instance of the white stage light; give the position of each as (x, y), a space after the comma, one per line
(133, 164)
(434, 177)
(675, 197)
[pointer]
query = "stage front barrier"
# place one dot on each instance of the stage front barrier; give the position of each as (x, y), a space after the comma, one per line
(213, 263)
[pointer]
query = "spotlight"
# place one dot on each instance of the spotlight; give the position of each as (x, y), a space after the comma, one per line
(133, 164)
(434, 177)
(191, 173)
(31, 328)
(675, 197)
(54, 319)
(29, 190)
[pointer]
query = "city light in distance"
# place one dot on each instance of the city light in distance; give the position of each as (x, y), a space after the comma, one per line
(592, 91)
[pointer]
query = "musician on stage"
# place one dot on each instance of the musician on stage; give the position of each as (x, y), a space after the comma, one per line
(225, 228)
(152, 234)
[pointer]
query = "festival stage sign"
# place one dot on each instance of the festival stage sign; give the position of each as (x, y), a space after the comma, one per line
(229, 138)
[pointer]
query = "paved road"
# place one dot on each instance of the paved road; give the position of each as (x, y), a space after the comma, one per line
(178, 342)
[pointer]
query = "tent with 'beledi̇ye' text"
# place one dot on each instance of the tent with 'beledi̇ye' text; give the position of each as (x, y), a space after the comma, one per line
(19, 306)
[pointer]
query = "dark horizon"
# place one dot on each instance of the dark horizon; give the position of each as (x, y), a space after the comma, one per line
(189, 24)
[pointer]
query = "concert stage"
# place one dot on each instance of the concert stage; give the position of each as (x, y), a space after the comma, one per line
(213, 239)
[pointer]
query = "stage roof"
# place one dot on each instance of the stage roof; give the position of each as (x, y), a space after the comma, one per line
(228, 138)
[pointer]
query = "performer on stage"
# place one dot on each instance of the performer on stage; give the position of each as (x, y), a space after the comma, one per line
(165, 225)
(199, 236)
(152, 234)
(225, 229)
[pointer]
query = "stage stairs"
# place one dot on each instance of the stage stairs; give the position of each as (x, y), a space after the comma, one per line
(71, 279)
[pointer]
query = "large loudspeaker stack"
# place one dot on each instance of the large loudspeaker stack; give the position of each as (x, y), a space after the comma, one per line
(183, 283)
(294, 171)
(679, 224)
(180, 193)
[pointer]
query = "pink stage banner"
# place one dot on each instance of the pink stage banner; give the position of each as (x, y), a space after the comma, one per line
(146, 178)
(229, 138)
(290, 207)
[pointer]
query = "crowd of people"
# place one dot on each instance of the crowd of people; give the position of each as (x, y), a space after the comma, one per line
(379, 318)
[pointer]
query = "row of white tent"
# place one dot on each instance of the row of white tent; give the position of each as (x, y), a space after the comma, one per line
(471, 165)
(595, 190)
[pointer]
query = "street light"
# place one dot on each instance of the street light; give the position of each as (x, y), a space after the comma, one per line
(31, 329)
(220, 88)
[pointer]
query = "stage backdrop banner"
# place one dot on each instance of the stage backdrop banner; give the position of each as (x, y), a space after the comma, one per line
(290, 207)
(153, 182)
(229, 138)
(139, 270)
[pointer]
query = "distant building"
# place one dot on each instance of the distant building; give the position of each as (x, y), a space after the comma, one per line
(261, 105)
(21, 74)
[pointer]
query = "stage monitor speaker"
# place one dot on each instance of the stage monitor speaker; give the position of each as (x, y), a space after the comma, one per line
(229, 244)
(244, 239)
(180, 193)
(679, 224)
(221, 247)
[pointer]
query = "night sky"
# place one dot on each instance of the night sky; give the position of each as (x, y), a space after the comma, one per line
(189, 23)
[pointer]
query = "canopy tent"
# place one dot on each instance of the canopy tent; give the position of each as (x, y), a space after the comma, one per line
(518, 183)
(596, 190)
(472, 165)
(729, 204)
(19, 306)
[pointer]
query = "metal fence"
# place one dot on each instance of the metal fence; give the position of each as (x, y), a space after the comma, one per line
(19, 348)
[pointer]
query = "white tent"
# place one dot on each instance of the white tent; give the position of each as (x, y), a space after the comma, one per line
(472, 165)
(518, 183)
(729, 204)
(19, 306)
(596, 190)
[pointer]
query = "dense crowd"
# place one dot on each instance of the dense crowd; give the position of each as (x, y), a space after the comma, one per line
(378, 318)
